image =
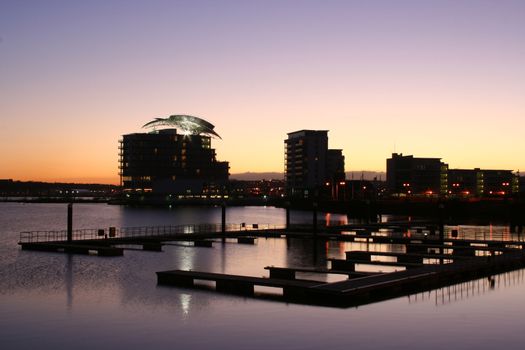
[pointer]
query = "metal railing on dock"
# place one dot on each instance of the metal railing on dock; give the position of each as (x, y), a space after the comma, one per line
(139, 231)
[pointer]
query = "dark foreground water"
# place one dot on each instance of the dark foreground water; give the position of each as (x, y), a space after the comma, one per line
(58, 301)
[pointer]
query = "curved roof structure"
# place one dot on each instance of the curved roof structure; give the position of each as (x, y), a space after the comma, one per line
(187, 123)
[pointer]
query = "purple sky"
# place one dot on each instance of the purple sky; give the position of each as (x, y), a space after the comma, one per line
(429, 78)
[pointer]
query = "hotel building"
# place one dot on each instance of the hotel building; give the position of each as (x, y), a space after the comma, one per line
(167, 162)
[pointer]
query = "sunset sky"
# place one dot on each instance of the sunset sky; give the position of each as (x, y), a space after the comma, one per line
(429, 78)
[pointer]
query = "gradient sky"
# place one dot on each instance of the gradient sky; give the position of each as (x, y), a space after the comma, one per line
(430, 78)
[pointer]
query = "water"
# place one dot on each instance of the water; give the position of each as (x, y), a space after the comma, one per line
(60, 301)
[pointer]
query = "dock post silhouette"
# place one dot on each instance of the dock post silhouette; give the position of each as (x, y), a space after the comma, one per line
(70, 222)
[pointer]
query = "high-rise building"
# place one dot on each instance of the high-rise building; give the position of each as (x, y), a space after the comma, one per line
(309, 164)
(166, 162)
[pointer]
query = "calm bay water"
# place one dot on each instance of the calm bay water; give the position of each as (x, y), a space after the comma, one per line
(60, 301)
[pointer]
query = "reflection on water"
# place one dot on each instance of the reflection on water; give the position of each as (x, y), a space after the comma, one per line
(63, 301)
(489, 232)
(470, 289)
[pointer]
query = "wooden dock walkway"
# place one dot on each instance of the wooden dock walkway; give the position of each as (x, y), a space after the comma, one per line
(461, 256)
(290, 272)
(366, 255)
(234, 284)
(349, 264)
(65, 247)
(353, 291)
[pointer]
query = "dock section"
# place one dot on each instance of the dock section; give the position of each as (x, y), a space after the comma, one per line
(234, 284)
(356, 290)
(70, 248)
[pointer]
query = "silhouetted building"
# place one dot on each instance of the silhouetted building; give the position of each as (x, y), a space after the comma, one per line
(165, 162)
(416, 176)
(465, 182)
(482, 183)
(335, 165)
(429, 176)
(335, 171)
(499, 182)
(309, 164)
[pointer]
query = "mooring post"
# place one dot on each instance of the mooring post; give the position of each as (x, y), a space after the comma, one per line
(70, 222)
(223, 217)
(287, 204)
(314, 218)
(367, 204)
(441, 220)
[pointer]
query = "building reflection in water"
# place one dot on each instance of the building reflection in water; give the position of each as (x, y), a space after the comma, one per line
(69, 281)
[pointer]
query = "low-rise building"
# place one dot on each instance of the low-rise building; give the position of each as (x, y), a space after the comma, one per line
(408, 175)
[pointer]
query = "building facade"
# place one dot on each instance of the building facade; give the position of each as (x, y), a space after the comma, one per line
(465, 182)
(310, 165)
(336, 177)
(407, 175)
(482, 183)
(166, 162)
(410, 175)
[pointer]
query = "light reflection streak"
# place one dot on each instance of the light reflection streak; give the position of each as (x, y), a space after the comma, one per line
(187, 259)
(185, 304)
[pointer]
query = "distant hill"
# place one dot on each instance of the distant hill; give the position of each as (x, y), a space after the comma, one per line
(249, 176)
(356, 175)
